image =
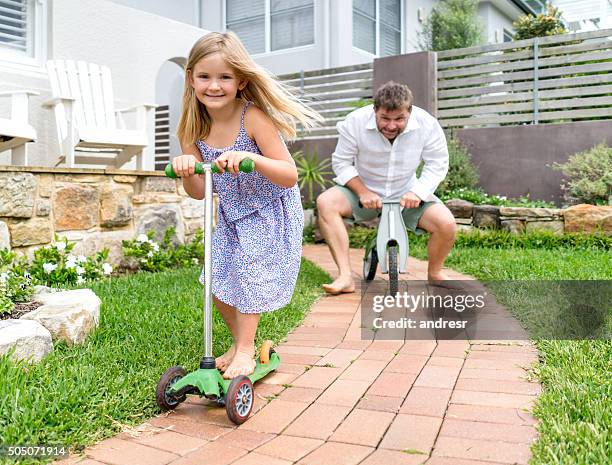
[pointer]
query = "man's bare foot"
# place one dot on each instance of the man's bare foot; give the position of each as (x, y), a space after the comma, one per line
(224, 360)
(340, 285)
(242, 364)
(437, 276)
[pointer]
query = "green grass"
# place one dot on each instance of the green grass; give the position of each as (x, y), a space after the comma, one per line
(575, 407)
(149, 322)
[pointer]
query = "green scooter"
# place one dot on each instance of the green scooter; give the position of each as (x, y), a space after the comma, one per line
(175, 384)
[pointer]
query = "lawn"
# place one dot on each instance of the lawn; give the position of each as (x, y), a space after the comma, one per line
(149, 322)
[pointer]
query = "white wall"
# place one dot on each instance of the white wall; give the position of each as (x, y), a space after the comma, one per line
(494, 22)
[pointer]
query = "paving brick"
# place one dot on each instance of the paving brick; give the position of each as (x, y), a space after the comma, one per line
(524, 348)
(493, 399)
(418, 348)
(206, 431)
(318, 421)
(359, 345)
(392, 384)
(454, 362)
(336, 453)
(299, 359)
(298, 368)
(438, 377)
(426, 401)
(381, 344)
(275, 416)
(451, 349)
(341, 358)
(456, 461)
(212, 453)
(511, 416)
(380, 403)
(496, 451)
(497, 364)
(300, 394)
(364, 427)
(364, 370)
(290, 448)
(202, 413)
(171, 441)
(245, 439)
(253, 458)
(343, 392)
(488, 431)
(411, 432)
(301, 350)
(119, 452)
(505, 386)
(314, 343)
(518, 357)
(510, 374)
(317, 377)
(385, 355)
(279, 378)
(407, 364)
(393, 457)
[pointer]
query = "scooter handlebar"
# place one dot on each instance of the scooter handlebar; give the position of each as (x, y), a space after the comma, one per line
(247, 165)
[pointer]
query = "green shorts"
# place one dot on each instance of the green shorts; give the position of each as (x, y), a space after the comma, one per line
(411, 215)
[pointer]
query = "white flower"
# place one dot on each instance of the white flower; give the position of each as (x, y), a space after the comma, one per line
(81, 259)
(3, 277)
(503, 197)
(80, 280)
(80, 270)
(71, 262)
(60, 246)
(150, 254)
(27, 275)
(194, 261)
(142, 238)
(155, 246)
(49, 267)
(107, 268)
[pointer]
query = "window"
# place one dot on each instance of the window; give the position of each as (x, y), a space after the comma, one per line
(22, 31)
(508, 36)
(377, 26)
(269, 25)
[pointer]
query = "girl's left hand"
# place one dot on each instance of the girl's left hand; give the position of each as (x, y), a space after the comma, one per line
(230, 161)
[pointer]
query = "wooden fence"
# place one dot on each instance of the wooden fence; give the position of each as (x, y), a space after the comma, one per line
(332, 92)
(551, 79)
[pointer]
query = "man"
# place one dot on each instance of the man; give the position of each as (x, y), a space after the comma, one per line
(379, 150)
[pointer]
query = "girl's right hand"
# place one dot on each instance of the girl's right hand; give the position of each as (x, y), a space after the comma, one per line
(184, 165)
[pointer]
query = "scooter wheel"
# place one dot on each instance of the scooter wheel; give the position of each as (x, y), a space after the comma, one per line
(165, 400)
(369, 265)
(393, 270)
(239, 399)
(266, 351)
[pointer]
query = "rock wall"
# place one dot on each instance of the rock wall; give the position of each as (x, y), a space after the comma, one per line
(95, 208)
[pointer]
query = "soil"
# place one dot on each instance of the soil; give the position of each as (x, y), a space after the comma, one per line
(19, 309)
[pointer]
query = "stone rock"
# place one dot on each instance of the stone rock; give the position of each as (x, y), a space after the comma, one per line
(31, 340)
(5, 237)
(553, 226)
(39, 290)
(115, 205)
(513, 226)
(86, 298)
(96, 241)
(309, 217)
(159, 184)
(43, 207)
(156, 197)
(17, 192)
(191, 226)
(45, 185)
(70, 323)
(588, 218)
(465, 228)
(31, 232)
(524, 212)
(192, 208)
(159, 218)
(85, 178)
(486, 216)
(460, 208)
(464, 221)
(75, 206)
(125, 178)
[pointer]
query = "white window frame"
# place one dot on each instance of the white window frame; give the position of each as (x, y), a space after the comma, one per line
(268, 30)
(377, 38)
(19, 61)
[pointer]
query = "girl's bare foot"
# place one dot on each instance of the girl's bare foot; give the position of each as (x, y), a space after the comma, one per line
(341, 285)
(242, 364)
(224, 360)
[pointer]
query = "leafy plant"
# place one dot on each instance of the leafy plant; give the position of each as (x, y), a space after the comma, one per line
(452, 24)
(462, 173)
(479, 197)
(588, 176)
(312, 172)
(544, 24)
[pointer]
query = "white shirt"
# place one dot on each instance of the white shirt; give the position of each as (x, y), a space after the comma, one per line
(388, 169)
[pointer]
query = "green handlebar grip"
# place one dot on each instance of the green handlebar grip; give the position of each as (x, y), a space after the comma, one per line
(247, 165)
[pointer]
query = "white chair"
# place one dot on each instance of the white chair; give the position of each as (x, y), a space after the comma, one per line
(86, 118)
(16, 132)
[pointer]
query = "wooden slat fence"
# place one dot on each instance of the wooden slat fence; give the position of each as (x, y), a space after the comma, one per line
(333, 92)
(544, 80)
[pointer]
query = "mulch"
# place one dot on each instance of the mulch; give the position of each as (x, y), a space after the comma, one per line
(19, 309)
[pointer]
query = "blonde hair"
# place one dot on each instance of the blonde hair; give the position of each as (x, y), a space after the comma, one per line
(272, 97)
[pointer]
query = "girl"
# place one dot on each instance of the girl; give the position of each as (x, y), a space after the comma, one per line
(233, 109)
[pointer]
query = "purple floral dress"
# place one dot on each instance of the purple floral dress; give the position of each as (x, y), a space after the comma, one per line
(257, 243)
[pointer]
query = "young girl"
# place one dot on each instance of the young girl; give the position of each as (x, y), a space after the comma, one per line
(232, 109)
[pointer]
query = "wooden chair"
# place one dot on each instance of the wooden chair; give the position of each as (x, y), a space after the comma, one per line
(16, 132)
(86, 118)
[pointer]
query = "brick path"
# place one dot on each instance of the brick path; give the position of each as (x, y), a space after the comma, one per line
(338, 399)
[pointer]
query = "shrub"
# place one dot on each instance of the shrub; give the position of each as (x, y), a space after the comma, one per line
(479, 197)
(589, 176)
(452, 24)
(312, 173)
(461, 171)
(544, 24)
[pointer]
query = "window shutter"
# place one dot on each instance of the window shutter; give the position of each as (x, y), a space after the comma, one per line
(390, 27)
(247, 19)
(292, 23)
(14, 24)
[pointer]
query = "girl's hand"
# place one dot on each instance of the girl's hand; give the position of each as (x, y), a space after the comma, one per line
(184, 165)
(230, 161)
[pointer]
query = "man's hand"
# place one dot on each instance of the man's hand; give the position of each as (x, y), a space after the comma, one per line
(410, 200)
(370, 200)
